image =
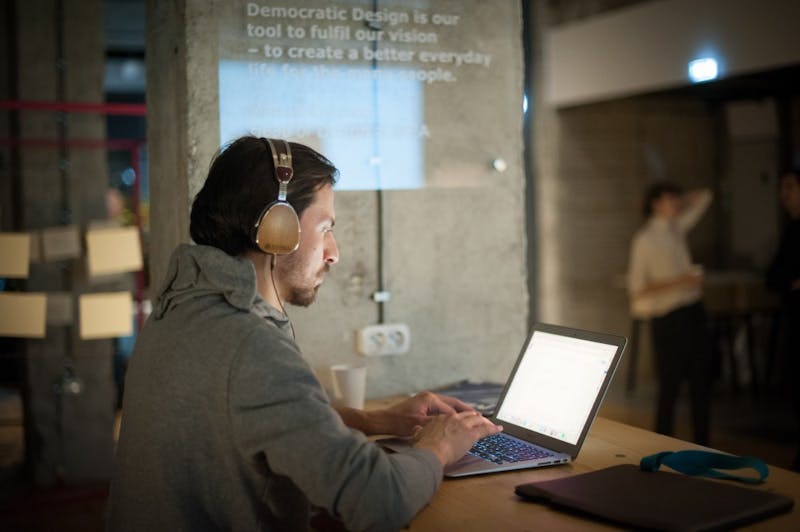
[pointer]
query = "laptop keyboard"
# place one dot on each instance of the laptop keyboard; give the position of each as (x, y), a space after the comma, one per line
(499, 448)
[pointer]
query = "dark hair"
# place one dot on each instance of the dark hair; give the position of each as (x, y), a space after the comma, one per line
(793, 171)
(241, 183)
(655, 192)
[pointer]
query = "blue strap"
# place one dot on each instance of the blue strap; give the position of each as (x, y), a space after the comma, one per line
(705, 464)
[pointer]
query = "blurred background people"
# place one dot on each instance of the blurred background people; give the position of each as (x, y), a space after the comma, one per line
(783, 276)
(666, 287)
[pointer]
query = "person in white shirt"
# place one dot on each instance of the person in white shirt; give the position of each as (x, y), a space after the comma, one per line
(665, 287)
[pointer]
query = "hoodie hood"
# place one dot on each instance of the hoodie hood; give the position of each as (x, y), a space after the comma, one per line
(200, 271)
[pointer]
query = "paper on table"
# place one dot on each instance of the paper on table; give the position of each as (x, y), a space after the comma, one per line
(22, 314)
(15, 250)
(113, 250)
(106, 315)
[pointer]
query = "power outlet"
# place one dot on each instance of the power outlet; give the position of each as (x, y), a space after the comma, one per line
(386, 339)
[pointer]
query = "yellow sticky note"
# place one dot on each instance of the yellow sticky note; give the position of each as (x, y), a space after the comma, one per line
(105, 315)
(113, 250)
(22, 314)
(15, 252)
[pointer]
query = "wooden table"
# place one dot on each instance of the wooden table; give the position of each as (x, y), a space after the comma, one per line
(488, 502)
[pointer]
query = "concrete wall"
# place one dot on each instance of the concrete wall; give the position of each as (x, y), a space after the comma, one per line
(454, 257)
(753, 177)
(648, 47)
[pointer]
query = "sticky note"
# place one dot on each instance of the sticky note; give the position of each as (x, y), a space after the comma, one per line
(105, 315)
(22, 314)
(113, 250)
(15, 252)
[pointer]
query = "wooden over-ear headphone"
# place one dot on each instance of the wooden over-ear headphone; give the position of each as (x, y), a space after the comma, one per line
(277, 228)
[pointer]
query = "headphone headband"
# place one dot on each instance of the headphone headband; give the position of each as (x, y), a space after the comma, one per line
(282, 161)
(277, 229)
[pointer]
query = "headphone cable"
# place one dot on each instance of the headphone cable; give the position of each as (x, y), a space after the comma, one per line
(277, 296)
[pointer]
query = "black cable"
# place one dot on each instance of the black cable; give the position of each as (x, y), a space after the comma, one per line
(275, 288)
(379, 184)
(379, 261)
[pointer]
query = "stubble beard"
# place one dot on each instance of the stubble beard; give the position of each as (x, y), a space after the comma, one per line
(300, 292)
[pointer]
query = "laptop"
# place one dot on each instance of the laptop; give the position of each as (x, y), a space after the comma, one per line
(548, 403)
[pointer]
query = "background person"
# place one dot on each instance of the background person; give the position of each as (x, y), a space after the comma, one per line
(666, 288)
(783, 276)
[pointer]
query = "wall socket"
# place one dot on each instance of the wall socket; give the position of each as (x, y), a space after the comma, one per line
(384, 339)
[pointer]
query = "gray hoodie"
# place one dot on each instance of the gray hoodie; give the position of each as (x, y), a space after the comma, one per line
(225, 427)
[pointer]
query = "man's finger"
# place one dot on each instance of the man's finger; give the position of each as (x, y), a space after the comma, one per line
(482, 430)
(456, 404)
(441, 407)
(468, 414)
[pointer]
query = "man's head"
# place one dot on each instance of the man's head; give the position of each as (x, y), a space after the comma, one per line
(790, 192)
(663, 199)
(299, 275)
(241, 182)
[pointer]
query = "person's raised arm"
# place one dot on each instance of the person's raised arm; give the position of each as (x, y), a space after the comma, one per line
(696, 204)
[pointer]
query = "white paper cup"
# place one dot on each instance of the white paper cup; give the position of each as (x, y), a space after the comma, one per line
(349, 383)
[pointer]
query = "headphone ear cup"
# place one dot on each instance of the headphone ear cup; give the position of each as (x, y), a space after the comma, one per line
(278, 230)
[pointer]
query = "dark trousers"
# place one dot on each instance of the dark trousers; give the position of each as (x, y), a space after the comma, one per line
(680, 343)
(791, 369)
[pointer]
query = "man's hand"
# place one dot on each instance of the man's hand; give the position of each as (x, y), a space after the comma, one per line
(402, 418)
(450, 436)
(693, 278)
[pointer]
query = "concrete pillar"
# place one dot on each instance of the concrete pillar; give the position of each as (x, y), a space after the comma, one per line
(183, 117)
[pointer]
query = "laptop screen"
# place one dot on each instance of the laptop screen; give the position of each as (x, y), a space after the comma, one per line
(556, 384)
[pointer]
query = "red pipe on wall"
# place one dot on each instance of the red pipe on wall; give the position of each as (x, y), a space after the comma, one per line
(129, 109)
(89, 144)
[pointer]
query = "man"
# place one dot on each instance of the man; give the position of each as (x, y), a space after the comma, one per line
(665, 287)
(224, 425)
(783, 276)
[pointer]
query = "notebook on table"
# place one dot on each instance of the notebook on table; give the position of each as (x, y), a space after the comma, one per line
(626, 495)
(548, 402)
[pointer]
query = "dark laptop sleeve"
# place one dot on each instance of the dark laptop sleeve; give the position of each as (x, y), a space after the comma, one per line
(657, 500)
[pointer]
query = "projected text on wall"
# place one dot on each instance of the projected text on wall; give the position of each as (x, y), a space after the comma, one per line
(348, 80)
